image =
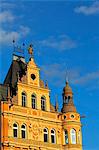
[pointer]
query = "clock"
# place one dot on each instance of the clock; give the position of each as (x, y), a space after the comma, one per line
(33, 76)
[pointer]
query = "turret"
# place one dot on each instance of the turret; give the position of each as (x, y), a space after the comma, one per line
(68, 104)
(71, 121)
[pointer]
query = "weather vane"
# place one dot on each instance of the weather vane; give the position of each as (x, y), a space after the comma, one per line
(18, 50)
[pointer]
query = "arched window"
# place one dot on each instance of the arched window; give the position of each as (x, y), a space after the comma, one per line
(53, 138)
(15, 130)
(23, 131)
(43, 101)
(33, 100)
(66, 137)
(79, 136)
(66, 99)
(23, 99)
(45, 135)
(73, 136)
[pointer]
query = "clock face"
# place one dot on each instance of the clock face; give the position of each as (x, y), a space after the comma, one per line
(33, 76)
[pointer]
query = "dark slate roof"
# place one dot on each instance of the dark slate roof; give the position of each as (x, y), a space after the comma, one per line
(3, 92)
(17, 68)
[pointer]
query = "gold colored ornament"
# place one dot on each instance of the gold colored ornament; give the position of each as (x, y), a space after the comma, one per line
(30, 49)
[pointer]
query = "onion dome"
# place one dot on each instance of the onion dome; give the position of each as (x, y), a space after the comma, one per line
(67, 89)
(68, 105)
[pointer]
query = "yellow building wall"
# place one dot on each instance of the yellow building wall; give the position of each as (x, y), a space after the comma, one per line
(36, 119)
(29, 90)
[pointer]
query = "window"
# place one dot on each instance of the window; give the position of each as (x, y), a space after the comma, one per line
(79, 133)
(23, 99)
(72, 116)
(66, 137)
(64, 117)
(33, 76)
(53, 136)
(23, 131)
(66, 99)
(73, 136)
(43, 103)
(33, 98)
(45, 135)
(15, 130)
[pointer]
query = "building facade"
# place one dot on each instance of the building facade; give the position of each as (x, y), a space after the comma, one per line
(28, 119)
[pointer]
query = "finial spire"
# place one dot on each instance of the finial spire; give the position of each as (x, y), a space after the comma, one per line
(66, 77)
(13, 44)
(56, 103)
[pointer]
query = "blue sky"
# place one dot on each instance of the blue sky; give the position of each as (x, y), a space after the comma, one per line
(65, 35)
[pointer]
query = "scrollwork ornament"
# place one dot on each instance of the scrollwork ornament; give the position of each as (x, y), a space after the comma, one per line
(35, 131)
(10, 124)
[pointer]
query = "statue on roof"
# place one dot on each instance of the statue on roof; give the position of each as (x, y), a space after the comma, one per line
(30, 49)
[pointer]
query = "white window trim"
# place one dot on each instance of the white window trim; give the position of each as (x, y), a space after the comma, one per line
(54, 134)
(33, 97)
(46, 133)
(22, 129)
(43, 99)
(73, 136)
(15, 128)
(24, 99)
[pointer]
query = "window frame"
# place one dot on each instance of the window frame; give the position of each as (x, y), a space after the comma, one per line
(33, 101)
(73, 136)
(66, 136)
(53, 135)
(43, 103)
(24, 99)
(15, 128)
(45, 133)
(23, 131)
